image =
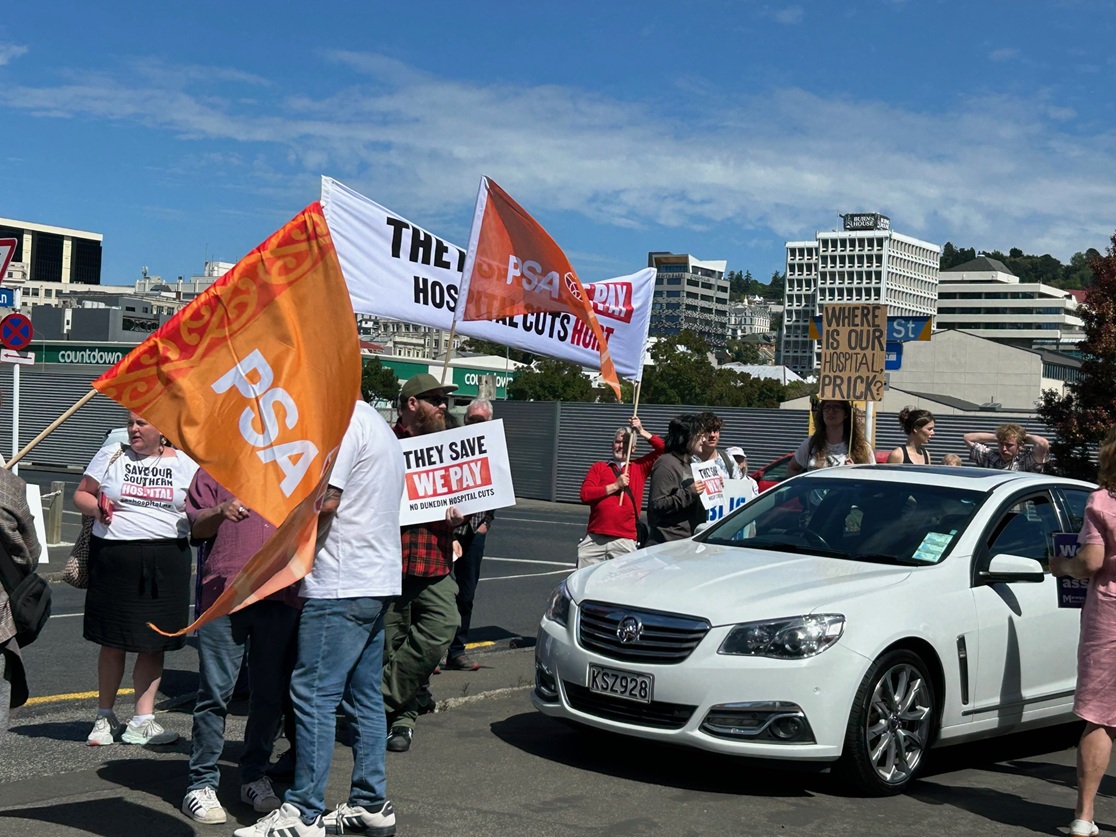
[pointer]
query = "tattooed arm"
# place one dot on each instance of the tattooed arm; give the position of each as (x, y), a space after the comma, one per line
(328, 511)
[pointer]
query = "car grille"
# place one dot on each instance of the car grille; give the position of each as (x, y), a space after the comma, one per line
(665, 639)
(657, 714)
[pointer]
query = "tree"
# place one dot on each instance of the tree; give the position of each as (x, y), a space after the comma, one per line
(740, 351)
(1082, 416)
(552, 380)
(377, 382)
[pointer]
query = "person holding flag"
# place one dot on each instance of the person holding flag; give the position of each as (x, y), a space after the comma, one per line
(613, 490)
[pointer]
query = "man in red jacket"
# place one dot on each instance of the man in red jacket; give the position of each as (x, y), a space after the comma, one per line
(614, 494)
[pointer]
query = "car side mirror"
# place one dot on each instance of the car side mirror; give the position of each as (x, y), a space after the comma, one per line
(1009, 569)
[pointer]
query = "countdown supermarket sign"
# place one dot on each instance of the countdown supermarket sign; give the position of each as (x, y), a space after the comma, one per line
(71, 354)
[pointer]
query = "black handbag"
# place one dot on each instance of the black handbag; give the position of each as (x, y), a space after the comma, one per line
(28, 598)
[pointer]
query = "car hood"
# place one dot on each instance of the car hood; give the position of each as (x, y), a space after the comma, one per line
(727, 584)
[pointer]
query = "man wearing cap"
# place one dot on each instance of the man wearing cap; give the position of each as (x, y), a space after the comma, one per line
(421, 623)
(741, 460)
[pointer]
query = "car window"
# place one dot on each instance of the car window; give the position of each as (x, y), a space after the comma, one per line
(1025, 529)
(852, 518)
(1076, 498)
(778, 471)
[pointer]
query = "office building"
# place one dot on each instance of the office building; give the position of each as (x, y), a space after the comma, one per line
(54, 254)
(866, 261)
(984, 297)
(690, 295)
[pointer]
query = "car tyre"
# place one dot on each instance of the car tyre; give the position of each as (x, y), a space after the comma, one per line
(891, 725)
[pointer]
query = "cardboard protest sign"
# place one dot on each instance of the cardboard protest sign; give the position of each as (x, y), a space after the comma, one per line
(466, 467)
(1071, 591)
(854, 352)
(398, 270)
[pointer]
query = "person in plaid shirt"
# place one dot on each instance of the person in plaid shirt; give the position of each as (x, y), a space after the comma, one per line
(1009, 454)
(421, 623)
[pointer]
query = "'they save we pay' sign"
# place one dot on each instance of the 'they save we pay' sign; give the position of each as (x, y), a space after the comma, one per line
(466, 467)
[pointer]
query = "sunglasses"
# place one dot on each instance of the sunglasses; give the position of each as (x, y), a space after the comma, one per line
(434, 400)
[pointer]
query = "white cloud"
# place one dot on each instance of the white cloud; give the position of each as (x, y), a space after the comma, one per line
(995, 172)
(789, 15)
(10, 52)
(1004, 54)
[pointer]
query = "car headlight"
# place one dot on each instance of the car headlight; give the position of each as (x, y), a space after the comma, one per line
(792, 638)
(558, 607)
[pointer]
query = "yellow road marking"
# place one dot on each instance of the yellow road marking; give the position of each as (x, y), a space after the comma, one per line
(72, 696)
(479, 644)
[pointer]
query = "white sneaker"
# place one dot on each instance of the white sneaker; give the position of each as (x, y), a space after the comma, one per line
(201, 805)
(260, 795)
(104, 731)
(379, 823)
(148, 732)
(284, 821)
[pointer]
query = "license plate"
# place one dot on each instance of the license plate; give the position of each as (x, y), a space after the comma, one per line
(621, 684)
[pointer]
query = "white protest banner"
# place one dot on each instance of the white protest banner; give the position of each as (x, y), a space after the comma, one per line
(466, 467)
(714, 493)
(398, 270)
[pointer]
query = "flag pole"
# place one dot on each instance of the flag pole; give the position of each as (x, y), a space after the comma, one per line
(85, 399)
(449, 348)
(631, 444)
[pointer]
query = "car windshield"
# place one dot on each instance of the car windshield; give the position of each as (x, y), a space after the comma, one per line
(853, 518)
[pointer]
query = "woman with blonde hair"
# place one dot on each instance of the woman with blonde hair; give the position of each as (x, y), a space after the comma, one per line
(1094, 700)
(838, 439)
(919, 427)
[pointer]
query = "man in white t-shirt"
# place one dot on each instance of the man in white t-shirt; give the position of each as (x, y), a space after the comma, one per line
(357, 570)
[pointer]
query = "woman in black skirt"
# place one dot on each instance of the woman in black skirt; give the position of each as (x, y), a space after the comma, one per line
(139, 572)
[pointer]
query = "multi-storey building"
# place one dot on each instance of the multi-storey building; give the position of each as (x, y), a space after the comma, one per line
(405, 339)
(752, 316)
(55, 254)
(690, 294)
(983, 296)
(865, 262)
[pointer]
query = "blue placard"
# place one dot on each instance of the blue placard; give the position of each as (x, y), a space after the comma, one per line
(1071, 591)
(7, 298)
(894, 358)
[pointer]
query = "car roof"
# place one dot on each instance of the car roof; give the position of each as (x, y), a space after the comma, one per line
(974, 479)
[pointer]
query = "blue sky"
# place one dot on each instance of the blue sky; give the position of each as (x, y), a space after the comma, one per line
(721, 129)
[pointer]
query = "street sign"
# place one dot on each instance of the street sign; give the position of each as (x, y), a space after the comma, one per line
(907, 329)
(15, 332)
(893, 358)
(12, 356)
(7, 250)
(7, 298)
(899, 329)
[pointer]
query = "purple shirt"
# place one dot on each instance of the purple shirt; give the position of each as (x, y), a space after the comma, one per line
(228, 551)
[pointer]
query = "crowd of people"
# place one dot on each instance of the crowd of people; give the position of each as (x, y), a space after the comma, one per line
(385, 607)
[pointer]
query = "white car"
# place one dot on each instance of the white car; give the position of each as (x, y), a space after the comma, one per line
(852, 615)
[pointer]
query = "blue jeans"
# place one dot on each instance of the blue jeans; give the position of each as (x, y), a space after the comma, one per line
(340, 655)
(265, 630)
(466, 570)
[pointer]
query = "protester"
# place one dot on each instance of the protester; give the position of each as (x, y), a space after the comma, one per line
(614, 493)
(139, 572)
(919, 427)
(674, 509)
(1094, 700)
(19, 541)
(471, 536)
(838, 439)
(1010, 455)
(264, 631)
(951, 459)
(741, 460)
(711, 425)
(421, 623)
(341, 638)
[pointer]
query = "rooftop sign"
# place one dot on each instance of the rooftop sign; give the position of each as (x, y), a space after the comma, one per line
(866, 221)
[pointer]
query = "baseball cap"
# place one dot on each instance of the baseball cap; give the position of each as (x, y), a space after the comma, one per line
(735, 452)
(422, 384)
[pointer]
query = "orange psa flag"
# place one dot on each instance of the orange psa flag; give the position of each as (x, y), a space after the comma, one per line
(255, 380)
(514, 267)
